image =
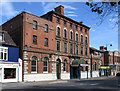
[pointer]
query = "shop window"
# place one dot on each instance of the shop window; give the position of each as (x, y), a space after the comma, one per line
(34, 64)
(9, 73)
(45, 64)
(3, 53)
(65, 65)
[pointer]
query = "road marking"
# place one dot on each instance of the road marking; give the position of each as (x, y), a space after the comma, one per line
(94, 84)
(58, 82)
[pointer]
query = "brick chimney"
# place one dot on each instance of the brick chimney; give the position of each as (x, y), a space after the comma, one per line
(105, 48)
(60, 9)
(81, 22)
(101, 47)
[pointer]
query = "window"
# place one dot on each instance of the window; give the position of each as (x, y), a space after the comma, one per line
(34, 39)
(64, 22)
(70, 25)
(46, 28)
(9, 73)
(3, 53)
(80, 28)
(71, 35)
(46, 42)
(81, 50)
(95, 66)
(1, 36)
(58, 31)
(76, 49)
(34, 64)
(45, 64)
(86, 68)
(85, 30)
(76, 37)
(86, 51)
(81, 38)
(58, 20)
(86, 40)
(65, 33)
(76, 27)
(65, 47)
(58, 45)
(35, 24)
(65, 65)
(71, 48)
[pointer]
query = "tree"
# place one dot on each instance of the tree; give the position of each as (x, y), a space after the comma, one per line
(104, 8)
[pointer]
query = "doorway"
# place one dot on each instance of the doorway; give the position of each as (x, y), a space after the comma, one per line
(58, 69)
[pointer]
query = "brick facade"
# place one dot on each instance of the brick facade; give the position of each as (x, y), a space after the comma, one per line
(21, 30)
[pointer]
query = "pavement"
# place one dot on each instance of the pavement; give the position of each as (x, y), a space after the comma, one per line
(107, 83)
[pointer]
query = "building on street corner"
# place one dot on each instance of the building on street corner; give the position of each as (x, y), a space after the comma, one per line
(51, 46)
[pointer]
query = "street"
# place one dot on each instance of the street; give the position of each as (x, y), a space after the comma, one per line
(97, 84)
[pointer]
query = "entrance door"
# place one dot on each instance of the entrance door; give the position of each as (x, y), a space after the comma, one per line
(75, 70)
(58, 69)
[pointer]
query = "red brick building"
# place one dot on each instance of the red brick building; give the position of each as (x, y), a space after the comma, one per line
(111, 59)
(52, 46)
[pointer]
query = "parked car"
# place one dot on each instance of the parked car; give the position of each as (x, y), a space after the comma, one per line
(118, 74)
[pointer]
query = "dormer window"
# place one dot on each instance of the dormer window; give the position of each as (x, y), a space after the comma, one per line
(1, 37)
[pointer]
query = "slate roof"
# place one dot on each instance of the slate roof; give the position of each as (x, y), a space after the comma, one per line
(7, 39)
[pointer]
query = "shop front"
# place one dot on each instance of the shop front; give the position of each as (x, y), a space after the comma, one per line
(104, 71)
(78, 69)
(10, 72)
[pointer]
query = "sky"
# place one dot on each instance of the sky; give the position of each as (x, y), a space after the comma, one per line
(99, 35)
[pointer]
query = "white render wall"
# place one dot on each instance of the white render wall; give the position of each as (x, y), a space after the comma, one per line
(44, 76)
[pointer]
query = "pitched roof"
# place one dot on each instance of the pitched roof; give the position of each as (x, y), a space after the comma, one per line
(7, 39)
(66, 18)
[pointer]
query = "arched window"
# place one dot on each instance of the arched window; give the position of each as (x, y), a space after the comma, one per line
(71, 35)
(81, 38)
(34, 64)
(86, 40)
(95, 66)
(45, 64)
(76, 37)
(46, 28)
(65, 33)
(58, 31)
(65, 65)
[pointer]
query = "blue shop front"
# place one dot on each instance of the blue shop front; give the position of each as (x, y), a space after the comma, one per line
(76, 69)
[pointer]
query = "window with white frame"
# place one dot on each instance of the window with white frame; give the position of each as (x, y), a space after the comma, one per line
(1, 36)
(34, 64)
(3, 53)
(45, 64)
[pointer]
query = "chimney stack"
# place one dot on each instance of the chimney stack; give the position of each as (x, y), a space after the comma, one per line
(105, 48)
(101, 47)
(59, 9)
(81, 22)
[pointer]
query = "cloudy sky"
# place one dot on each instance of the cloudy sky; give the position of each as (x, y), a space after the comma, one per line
(100, 35)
